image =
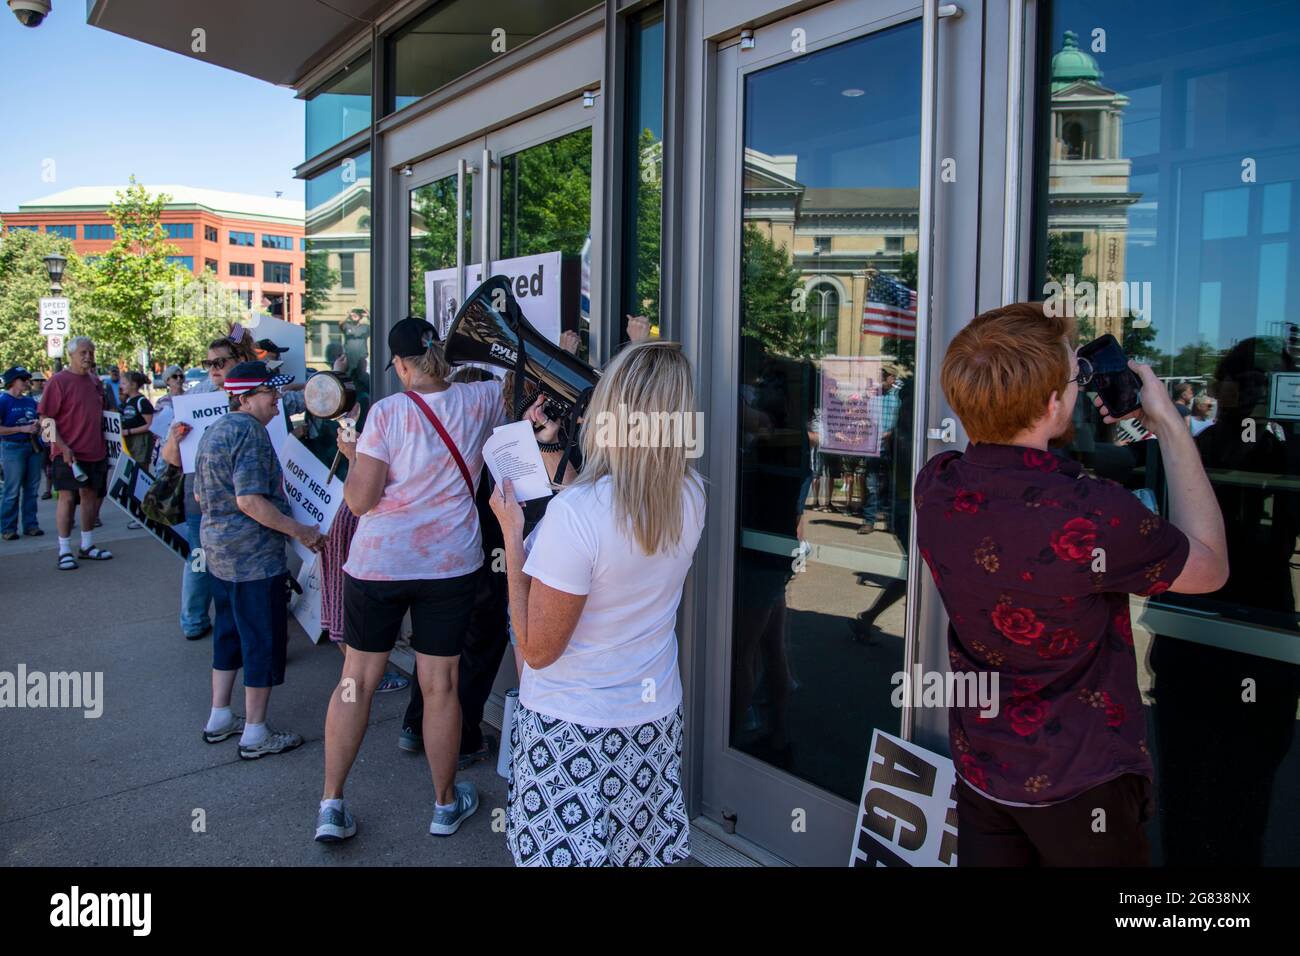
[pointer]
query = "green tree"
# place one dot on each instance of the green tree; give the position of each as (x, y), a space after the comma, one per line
(771, 311)
(23, 281)
(132, 275)
(546, 197)
(434, 207)
(649, 218)
(319, 280)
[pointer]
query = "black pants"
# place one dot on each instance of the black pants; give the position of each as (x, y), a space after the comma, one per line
(480, 659)
(1063, 834)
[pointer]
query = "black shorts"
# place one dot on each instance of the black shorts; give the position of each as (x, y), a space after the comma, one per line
(440, 612)
(63, 479)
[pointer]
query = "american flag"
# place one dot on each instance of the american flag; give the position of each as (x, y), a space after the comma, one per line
(890, 308)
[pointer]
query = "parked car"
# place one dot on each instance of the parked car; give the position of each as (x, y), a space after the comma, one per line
(194, 376)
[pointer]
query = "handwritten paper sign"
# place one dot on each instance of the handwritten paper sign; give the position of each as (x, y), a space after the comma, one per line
(850, 421)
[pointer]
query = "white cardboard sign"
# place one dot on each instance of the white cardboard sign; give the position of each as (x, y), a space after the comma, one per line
(908, 812)
(534, 280)
(198, 410)
(313, 495)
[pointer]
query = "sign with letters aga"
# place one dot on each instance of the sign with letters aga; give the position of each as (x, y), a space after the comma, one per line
(908, 812)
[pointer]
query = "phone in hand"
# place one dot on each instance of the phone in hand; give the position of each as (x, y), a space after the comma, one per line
(1118, 385)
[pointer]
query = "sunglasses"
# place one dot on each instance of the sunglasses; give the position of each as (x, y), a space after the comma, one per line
(177, 375)
(267, 389)
(217, 363)
(1083, 372)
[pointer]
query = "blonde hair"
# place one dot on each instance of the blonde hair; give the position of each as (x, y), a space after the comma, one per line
(652, 378)
(432, 363)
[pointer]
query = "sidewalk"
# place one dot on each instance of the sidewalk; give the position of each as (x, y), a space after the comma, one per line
(123, 789)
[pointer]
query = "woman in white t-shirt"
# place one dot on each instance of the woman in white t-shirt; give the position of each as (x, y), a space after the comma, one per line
(597, 736)
(417, 549)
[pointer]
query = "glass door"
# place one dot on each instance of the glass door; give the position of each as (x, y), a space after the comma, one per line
(821, 220)
(544, 217)
(441, 232)
(519, 199)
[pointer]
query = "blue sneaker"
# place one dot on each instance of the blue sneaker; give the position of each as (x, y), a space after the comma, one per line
(446, 822)
(333, 826)
(410, 741)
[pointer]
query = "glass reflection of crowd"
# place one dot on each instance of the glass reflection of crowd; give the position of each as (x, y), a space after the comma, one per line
(1224, 718)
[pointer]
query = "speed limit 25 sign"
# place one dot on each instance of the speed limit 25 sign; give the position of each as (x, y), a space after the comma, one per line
(54, 315)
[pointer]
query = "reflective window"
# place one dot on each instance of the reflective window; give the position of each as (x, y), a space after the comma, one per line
(66, 232)
(97, 230)
(338, 314)
(827, 345)
(278, 272)
(546, 207)
(1168, 171)
(179, 230)
(186, 261)
(433, 248)
(339, 107)
(458, 35)
(643, 174)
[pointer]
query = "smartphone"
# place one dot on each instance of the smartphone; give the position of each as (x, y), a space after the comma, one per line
(1117, 384)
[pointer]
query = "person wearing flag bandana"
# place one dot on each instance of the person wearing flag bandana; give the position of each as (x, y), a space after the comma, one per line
(246, 519)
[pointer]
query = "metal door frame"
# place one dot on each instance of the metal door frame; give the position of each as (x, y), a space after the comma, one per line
(764, 798)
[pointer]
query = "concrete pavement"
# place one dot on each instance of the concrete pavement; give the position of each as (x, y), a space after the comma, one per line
(128, 788)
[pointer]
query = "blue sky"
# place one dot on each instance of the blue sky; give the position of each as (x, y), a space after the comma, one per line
(103, 107)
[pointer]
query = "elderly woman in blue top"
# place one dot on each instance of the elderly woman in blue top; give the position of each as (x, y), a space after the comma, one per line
(596, 745)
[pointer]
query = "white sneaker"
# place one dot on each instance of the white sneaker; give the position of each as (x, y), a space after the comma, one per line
(275, 742)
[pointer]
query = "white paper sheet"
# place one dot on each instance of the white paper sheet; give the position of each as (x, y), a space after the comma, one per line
(511, 452)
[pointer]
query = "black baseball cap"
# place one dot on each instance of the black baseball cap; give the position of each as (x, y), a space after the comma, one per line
(410, 337)
(266, 345)
(15, 373)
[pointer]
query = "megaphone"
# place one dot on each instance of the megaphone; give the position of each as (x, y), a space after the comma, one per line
(491, 328)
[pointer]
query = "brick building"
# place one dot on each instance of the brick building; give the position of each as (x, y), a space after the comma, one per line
(252, 243)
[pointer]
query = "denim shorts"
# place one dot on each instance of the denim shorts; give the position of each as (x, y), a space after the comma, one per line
(251, 629)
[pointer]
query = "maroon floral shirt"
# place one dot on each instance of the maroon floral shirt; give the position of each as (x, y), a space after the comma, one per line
(1035, 562)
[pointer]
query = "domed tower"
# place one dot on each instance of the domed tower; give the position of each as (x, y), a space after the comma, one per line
(1088, 191)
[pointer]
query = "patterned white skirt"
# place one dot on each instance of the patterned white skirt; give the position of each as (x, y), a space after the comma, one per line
(595, 796)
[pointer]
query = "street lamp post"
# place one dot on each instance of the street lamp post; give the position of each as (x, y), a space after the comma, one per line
(54, 265)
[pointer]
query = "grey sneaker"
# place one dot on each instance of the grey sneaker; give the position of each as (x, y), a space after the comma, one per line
(275, 742)
(236, 726)
(484, 751)
(333, 826)
(410, 741)
(447, 822)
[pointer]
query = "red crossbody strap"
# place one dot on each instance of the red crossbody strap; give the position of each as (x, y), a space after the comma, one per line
(455, 452)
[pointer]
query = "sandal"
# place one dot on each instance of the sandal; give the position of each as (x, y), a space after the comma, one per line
(392, 681)
(67, 562)
(94, 553)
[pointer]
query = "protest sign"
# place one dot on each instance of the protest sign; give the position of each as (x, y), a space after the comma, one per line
(198, 410)
(850, 420)
(113, 435)
(908, 812)
(534, 281)
(127, 488)
(305, 607)
(287, 336)
(313, 495)
(162, 422)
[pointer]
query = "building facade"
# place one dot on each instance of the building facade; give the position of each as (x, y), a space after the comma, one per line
(254, 244)
(814, 198)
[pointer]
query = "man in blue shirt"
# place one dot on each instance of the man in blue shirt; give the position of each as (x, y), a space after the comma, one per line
(20, 454)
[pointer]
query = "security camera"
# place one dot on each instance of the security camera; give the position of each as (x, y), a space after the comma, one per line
(30, 13)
